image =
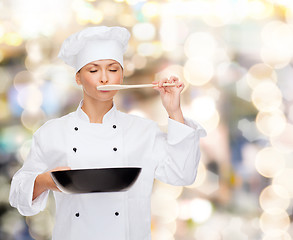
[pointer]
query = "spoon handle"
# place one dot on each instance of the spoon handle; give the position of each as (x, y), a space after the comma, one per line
(119, 87)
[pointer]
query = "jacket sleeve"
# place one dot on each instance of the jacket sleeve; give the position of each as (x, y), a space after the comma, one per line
(22, 185)
(177, 153)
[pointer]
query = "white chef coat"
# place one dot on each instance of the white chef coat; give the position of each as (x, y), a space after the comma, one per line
(121, 140)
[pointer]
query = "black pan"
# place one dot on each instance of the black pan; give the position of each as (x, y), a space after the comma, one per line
(96, 180)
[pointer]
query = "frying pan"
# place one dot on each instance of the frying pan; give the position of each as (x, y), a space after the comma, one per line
(96, 179)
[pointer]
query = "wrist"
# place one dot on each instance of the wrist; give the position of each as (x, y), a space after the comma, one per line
(176, 115)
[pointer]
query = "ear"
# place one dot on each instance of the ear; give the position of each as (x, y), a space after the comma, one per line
(77, 78)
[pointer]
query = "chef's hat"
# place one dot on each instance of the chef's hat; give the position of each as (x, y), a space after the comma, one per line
(94, 43)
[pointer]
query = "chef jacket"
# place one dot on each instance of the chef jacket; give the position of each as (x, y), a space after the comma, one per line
(120, 140)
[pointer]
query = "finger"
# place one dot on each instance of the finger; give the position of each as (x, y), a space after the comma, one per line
(61, 168)
(162, 81)
(155, 82)
(181, 87)
(173, 79)
(179, 84)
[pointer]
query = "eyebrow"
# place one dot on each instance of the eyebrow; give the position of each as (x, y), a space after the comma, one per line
(94, 64)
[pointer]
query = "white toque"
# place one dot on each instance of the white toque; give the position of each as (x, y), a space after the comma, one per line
(94, 43)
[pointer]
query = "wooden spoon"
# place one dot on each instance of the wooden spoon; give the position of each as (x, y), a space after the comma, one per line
(120, 87)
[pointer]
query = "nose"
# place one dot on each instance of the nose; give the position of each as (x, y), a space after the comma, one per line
(104, 79)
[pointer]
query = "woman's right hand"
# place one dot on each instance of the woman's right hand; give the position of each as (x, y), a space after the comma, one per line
(45, 182)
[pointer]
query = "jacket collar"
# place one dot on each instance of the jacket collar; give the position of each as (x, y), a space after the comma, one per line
(109, 117)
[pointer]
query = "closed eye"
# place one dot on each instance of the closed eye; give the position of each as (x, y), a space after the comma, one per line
(93, 71)
(113, 70)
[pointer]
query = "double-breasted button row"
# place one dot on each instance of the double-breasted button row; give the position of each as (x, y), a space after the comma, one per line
(75, 149)
(76, 129)
(116, 214)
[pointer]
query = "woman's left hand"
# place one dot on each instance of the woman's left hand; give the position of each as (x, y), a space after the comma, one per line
(171, 97)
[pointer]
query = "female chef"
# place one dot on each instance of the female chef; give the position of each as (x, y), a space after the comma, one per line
(98, 135)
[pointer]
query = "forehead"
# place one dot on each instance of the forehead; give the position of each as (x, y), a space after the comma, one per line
(103, 62)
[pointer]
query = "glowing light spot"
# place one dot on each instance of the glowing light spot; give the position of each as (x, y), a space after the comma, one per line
(149, 49)
(260, 72)
(133, 2)
(259, 9)
(30, 98)
(198, 72)
(276, 234)
(279, 220)
(200, 45)
(22, 79)
(269, 162)
(204, 111)
(151, 9)
(274, 199)
(144, 31)
(277, 38)
(166, 191)
(33, 120)
(200, 210)
(219, 14)
(266, 96)
(271, 123)
(13, 39)
(284, 141)
(276, 56)
(167, 210)
(96, 17)
(285, 179)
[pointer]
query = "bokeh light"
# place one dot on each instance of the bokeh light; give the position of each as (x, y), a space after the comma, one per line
(274, 221)
(266, 96)
(144, 31)
(284, 179)
(269, 162)
(276, 235)
(277, 38)
(198, 72)
(259, 73)
(284, 141)
(200, 45)
(203, 109)
(271, 123)
(274, 198)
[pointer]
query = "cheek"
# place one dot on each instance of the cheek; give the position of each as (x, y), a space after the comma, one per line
(117, 78)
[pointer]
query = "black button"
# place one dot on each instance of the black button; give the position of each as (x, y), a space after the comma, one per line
(117, 214)
(74, 149)
(114, 149)
(77, 214)
(76, 128)
(114, 126)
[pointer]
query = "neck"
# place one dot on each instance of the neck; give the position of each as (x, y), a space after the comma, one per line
(95, 109)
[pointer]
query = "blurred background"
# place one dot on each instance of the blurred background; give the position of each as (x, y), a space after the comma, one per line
(235, 58)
